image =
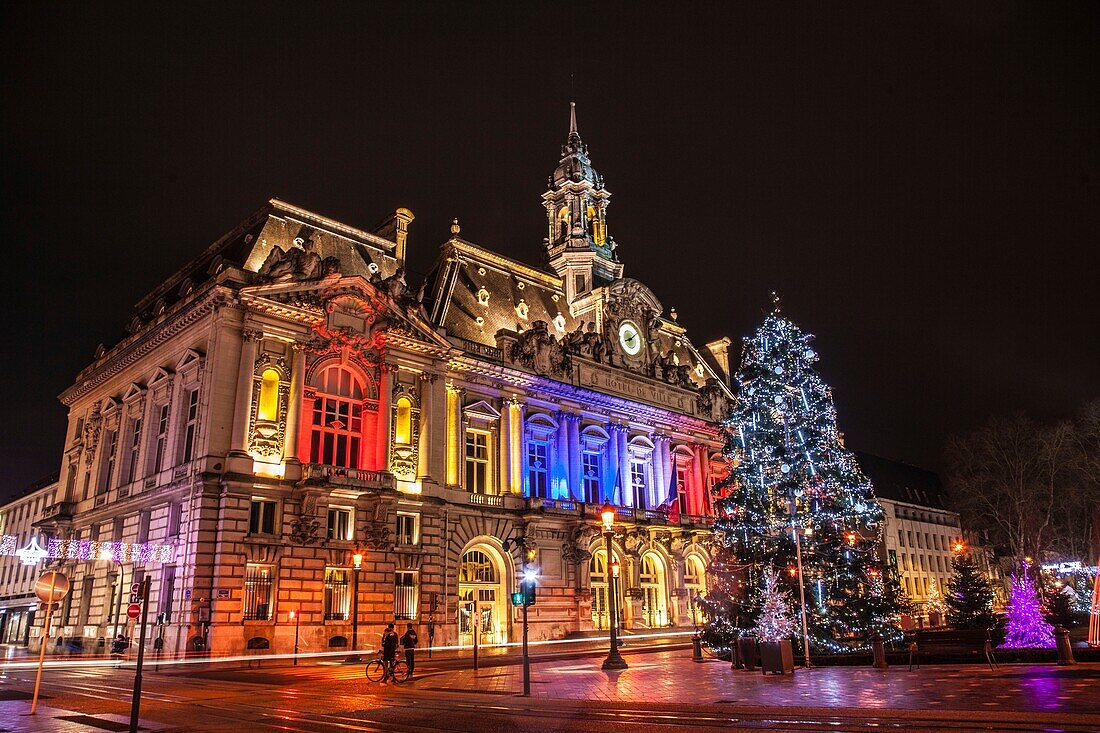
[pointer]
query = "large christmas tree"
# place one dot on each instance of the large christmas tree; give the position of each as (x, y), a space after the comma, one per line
(790, 473)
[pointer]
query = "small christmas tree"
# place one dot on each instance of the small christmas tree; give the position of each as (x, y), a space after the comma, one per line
(1061, 604)
(774, 622)
(969, 597)
(1026, 628)
(935, 603)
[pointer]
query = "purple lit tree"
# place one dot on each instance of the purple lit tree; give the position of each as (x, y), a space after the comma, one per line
(1026, 627)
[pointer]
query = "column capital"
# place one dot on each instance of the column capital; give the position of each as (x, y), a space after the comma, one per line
(251, 334)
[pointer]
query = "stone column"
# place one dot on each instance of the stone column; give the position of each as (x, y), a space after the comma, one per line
(250, 344)
(575, 486)
(611, 490)
(624, 468)
(699, 506)
(515, 445)
(385, 416)
(559, 466)
(667, 466)
(294, 404)
(657, 490)
(454, 434)
(504, 445)
(423, 441)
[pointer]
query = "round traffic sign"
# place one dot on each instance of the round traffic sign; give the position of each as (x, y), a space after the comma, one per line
(133, 610)
(51, 587)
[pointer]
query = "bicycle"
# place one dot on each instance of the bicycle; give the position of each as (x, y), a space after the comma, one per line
(378, 670)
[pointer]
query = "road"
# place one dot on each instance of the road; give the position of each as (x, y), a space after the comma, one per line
(662, 691)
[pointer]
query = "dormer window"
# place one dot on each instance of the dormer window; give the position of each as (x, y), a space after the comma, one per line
(522, 309)
(580, 284)
(483, 296)
(559, 322)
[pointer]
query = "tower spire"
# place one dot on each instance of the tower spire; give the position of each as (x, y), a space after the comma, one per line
(573, 118)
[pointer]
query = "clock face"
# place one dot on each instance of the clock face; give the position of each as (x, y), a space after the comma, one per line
(630, 338)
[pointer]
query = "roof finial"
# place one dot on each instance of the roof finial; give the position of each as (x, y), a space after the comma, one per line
(573, 118)
(776, 305)
(455, 228)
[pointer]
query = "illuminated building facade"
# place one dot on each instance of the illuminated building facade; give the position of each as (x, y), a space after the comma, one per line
(286, 402)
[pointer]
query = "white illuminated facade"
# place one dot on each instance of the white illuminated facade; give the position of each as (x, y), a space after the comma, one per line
(21, 566)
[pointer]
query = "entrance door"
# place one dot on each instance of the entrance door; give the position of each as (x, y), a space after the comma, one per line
(654, 605)
(480, 598)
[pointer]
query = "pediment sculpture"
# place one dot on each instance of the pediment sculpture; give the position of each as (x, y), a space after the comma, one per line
(299, 262)
(540, 351)
(587, 342)
(713, 401)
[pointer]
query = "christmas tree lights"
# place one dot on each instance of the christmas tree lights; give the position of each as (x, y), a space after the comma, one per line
(1026, 627)
(774, 622)
(935, 602)
(790, 473)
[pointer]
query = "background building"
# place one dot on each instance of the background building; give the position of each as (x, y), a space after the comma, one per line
(922, 535)
(288, 425)
(18, 530)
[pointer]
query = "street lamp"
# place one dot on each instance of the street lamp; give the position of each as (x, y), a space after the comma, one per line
(357, 562)
(797, 533)
(296, 617)
(614, 659)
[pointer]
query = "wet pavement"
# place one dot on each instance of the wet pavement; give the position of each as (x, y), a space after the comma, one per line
(660, 690)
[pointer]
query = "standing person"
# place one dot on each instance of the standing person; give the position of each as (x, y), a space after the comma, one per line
(389, 651)
(409, 641)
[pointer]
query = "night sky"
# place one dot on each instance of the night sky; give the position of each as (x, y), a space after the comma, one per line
(919, 181)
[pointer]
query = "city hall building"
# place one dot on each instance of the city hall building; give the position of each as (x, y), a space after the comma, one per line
(290, 425)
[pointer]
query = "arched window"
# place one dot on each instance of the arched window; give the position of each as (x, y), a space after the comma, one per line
(268, 408)
(337, 420)
(598, 578)
(476, 567)
(402, 432)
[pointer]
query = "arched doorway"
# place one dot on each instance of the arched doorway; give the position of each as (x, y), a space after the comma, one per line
(482, 597)
(695, 582)
(652, 580)
(597, 579)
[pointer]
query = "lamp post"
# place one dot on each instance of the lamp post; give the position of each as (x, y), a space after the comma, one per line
(798, 532)
(296, 617)
(614, 659)
(357, 562)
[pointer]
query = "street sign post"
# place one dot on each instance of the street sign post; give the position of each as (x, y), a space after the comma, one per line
(133, 610)
(135, 706)
(50, 588)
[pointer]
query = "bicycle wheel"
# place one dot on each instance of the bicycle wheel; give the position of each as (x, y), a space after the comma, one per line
(400, 672)
(375, 670)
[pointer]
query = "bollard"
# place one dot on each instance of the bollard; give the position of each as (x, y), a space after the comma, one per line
(736, 662)
(748, 652)
(878, 651)
(696, 649)
(1065, 649)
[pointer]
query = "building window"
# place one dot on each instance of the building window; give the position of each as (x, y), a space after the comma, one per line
(133, 450)
(70, 483)
(160, 439)
(110, 444)
(339, 523)
(637, 484)
(538, 452)
(175, 519)
(337, 425)
(167, 591)
(261, 518)
(580, 283)
(476, 567)
(477, 461)
(590, 470)
(405, 595)
(191, 425)
(408, 529)
(682, 487)
(258, 583)
(402, 430)
(337, 598)
(267, 409)
(144, 518)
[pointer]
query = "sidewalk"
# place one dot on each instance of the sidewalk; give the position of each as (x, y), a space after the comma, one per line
(673, 678)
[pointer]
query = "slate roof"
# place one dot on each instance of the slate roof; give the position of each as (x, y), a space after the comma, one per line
(899, 481)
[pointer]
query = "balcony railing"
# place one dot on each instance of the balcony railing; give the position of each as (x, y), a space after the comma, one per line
(355, 477)
(486, 500)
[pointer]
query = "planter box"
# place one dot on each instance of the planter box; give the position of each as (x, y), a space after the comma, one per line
(746, 653)
(776, 656)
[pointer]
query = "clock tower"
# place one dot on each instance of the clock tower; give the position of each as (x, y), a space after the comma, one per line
(579, 248)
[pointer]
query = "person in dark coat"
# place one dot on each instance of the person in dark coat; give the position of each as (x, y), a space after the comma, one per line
(409, 641)
(389, 650)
